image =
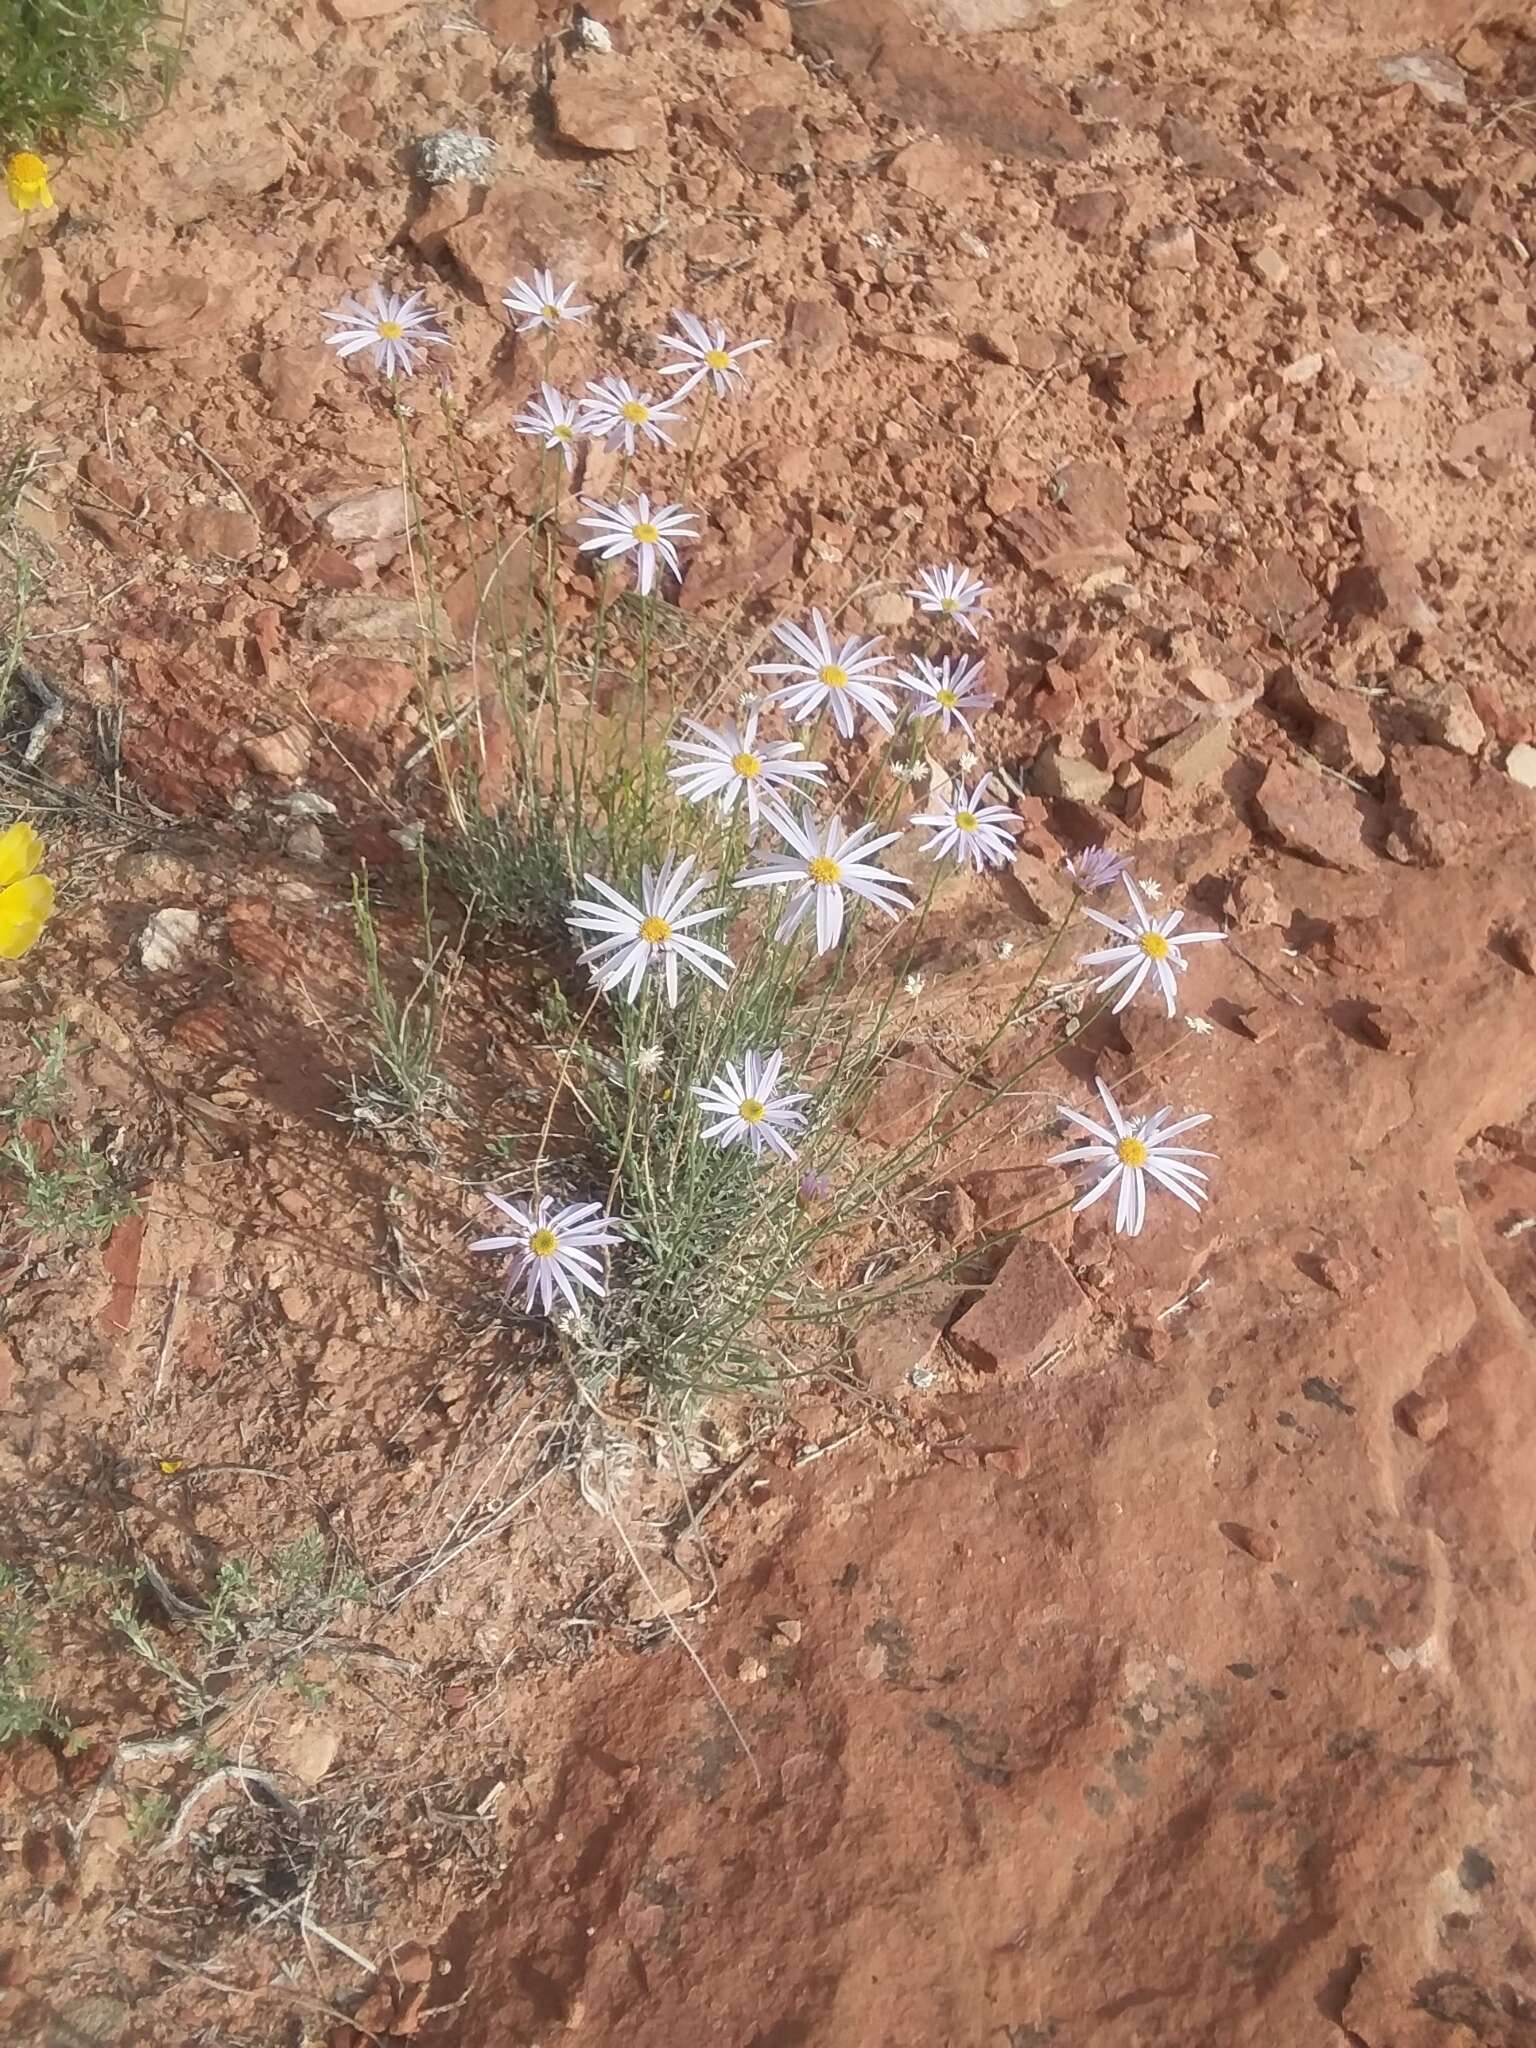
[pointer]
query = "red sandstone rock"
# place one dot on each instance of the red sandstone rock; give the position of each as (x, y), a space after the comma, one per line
(152, 310)
(360, 691)
(1310, 815)
(604, 115)
(1000, 110)
(1336, 724)
(1032, 1306)
(1423, 1416)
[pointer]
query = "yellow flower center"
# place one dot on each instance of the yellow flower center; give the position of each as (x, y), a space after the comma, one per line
(1132, 1152)
(561, 434)
(550, 311)
(751, 1110)
(633, 411)
(746, 765)
(832, 677)
(391, 330)
(1154, 945)
(824, 871)
(644, 532)
(947, 698)
(948, 604)
(655, 931)
(543, 1244)
(717, 358)
(966, 820)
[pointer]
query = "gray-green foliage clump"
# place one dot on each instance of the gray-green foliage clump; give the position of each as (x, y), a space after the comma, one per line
(72, 64)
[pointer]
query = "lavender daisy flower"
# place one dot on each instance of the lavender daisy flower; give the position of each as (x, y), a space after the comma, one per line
(1096, 867)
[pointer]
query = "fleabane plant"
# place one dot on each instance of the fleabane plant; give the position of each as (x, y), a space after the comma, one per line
(716, 838)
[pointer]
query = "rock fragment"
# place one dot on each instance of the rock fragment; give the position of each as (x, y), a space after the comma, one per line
(1069, 775)
(1197, 754)
(150, 311)
(1091, 216)
(1438, 77)
(361, 692)
(998, 110)
(167, 941)
(606, 116)
(381, 513)
(283, 755)
(1032, 1306)
(1423, 1416)
(1171, 248)
(1310, 816)
(1416, 205)
(213, 533)
(1439, 710)
(1335, 724)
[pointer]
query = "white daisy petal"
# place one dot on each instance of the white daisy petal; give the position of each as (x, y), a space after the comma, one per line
(393, 330)
(553, 1249)
(1133, 1154)
(656, 931)
(541, 302)
(1152, 946)
(947, 690)
(640, 530)
(823, 868)
(970, 829)
(619, 416)
(704, 352)
(822, 676)
(751, 1108)
(951, 593)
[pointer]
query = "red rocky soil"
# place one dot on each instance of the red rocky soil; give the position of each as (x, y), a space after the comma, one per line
(1147, 1660)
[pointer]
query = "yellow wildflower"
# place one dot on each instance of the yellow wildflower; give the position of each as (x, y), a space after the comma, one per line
(26, 899)
(26, 180)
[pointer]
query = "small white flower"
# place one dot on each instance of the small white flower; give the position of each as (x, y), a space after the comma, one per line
(749, 1103)
(637, 530)
(393, 330)
(635, 937)
(648, 1060)
(552, 419)
(1006, 949)
(951, 593)
(968, 759)
(908, 771)
(615, 413)
(913, 986)
(822, 674)
(947, 690)
(552, 1252)
(542, 302)
(971, 829)
(1201, 1026)
(1150, 948)
(822, 864)
(705, 353)
(734, 763)
(1133, 1150)
(1153, 891)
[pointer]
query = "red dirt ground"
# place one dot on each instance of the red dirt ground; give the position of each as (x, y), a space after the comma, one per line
(1175, 1691)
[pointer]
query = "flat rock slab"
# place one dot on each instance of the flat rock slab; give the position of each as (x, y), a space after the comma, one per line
(1001, 110)
(1032, 1306)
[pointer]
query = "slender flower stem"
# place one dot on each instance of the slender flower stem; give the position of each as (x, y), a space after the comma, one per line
(700, 417)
